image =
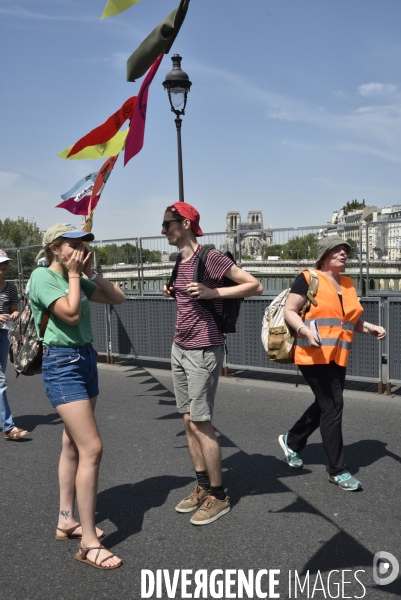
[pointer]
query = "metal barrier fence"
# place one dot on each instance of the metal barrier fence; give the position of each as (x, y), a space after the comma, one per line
(140, 264)
(143, 327)
(393, 326)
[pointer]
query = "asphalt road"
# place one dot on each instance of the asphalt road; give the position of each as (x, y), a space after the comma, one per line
(291, 521)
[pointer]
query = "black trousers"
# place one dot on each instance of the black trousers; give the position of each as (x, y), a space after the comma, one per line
(327, 383)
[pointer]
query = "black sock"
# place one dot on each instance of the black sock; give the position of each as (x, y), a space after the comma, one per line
(218, 492)
(203, 479)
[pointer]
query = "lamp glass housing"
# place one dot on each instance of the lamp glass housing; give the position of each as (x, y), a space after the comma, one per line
(177, 96)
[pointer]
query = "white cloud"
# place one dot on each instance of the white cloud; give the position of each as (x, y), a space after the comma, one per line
(119, 61)
(370, 90)
(7, 180)
(297, 145)
(374, 130)
(369, 151)
(21, 13)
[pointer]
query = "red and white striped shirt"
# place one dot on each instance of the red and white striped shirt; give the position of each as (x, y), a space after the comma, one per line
(196, 327)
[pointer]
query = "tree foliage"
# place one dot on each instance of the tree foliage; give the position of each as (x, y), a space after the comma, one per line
(300, 248)
(274, 250)
(19, 233)
(354, 247)
(112, 254)
(297, 248)
(353, 205)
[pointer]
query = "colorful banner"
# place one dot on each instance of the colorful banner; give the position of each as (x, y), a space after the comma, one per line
(159, 40)
(79, 184)
(101, 179)
(136, 134)
(88, 224)
(114, 7)
(110, 148)
(108, 129)
(79, 207)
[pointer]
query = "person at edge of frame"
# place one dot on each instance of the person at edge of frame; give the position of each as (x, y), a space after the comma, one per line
(322, 356)
(70, 378)
(8, 314)
(198, 354)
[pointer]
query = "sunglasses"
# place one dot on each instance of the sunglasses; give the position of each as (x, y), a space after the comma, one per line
(166, 224)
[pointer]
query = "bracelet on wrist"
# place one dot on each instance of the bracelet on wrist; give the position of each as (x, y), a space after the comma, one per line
(367, 328)
(301, 327)
(74, 277)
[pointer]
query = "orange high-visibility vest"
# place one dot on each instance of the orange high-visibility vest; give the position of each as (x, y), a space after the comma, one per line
(335, 328)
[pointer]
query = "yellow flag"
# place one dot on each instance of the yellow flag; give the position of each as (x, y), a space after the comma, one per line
(89, 222)
(110, 148)
(113, 7)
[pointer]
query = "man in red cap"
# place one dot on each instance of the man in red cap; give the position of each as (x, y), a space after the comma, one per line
(198, 354)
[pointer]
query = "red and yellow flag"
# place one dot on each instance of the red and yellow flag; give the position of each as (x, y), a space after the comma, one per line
(108, 129)
(110, 148)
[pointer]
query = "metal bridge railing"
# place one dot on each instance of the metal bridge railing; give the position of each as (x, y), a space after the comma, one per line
(143, 328)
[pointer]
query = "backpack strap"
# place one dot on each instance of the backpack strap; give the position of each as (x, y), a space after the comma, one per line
(199, 271)
(313, 285)
(311, 293)
(174, 272)
(200, 265)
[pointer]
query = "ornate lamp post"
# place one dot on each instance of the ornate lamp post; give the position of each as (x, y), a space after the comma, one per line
(178, 85)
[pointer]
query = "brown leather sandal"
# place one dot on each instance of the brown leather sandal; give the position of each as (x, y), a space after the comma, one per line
(82, 553)
(15, 433)
(68, 533)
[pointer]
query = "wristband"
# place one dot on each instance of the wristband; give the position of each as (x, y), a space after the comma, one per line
(301, 327)
(74, 277)
(366, 328)
(95, 274)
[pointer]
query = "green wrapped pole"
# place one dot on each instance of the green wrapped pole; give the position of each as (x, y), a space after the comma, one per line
(160, 40)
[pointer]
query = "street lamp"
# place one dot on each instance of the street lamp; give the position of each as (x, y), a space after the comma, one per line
(178, 85)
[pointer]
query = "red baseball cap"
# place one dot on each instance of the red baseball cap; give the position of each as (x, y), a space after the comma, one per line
(187, 211)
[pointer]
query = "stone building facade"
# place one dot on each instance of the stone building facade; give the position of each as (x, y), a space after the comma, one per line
(254, 239)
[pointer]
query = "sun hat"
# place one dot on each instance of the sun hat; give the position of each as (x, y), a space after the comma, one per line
(187, 211)
(3, 256)
(329, 243)
(65, 230)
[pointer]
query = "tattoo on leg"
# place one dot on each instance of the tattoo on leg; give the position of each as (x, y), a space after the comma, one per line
(65, 513)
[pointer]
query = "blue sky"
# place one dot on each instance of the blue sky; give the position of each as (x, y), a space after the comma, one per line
(295, 109)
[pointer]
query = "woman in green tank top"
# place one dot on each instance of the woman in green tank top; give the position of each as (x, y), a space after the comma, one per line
(70, 378)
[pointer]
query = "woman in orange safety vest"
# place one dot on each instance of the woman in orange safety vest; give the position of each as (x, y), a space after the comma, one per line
(322, 349)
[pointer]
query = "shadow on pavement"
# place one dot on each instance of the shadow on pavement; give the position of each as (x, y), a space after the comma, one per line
(126, 505)
(30, 422)
(357, 455)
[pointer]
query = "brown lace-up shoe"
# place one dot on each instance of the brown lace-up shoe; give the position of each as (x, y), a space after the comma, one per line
(192, 502)
(211, 510)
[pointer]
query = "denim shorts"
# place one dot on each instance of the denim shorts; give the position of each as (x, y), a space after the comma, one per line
(70, 374)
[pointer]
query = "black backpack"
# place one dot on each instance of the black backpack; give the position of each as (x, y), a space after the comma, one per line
(226, 322)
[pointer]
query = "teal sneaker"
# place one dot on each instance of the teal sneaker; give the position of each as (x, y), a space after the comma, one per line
(346, 482)
(291, 457)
